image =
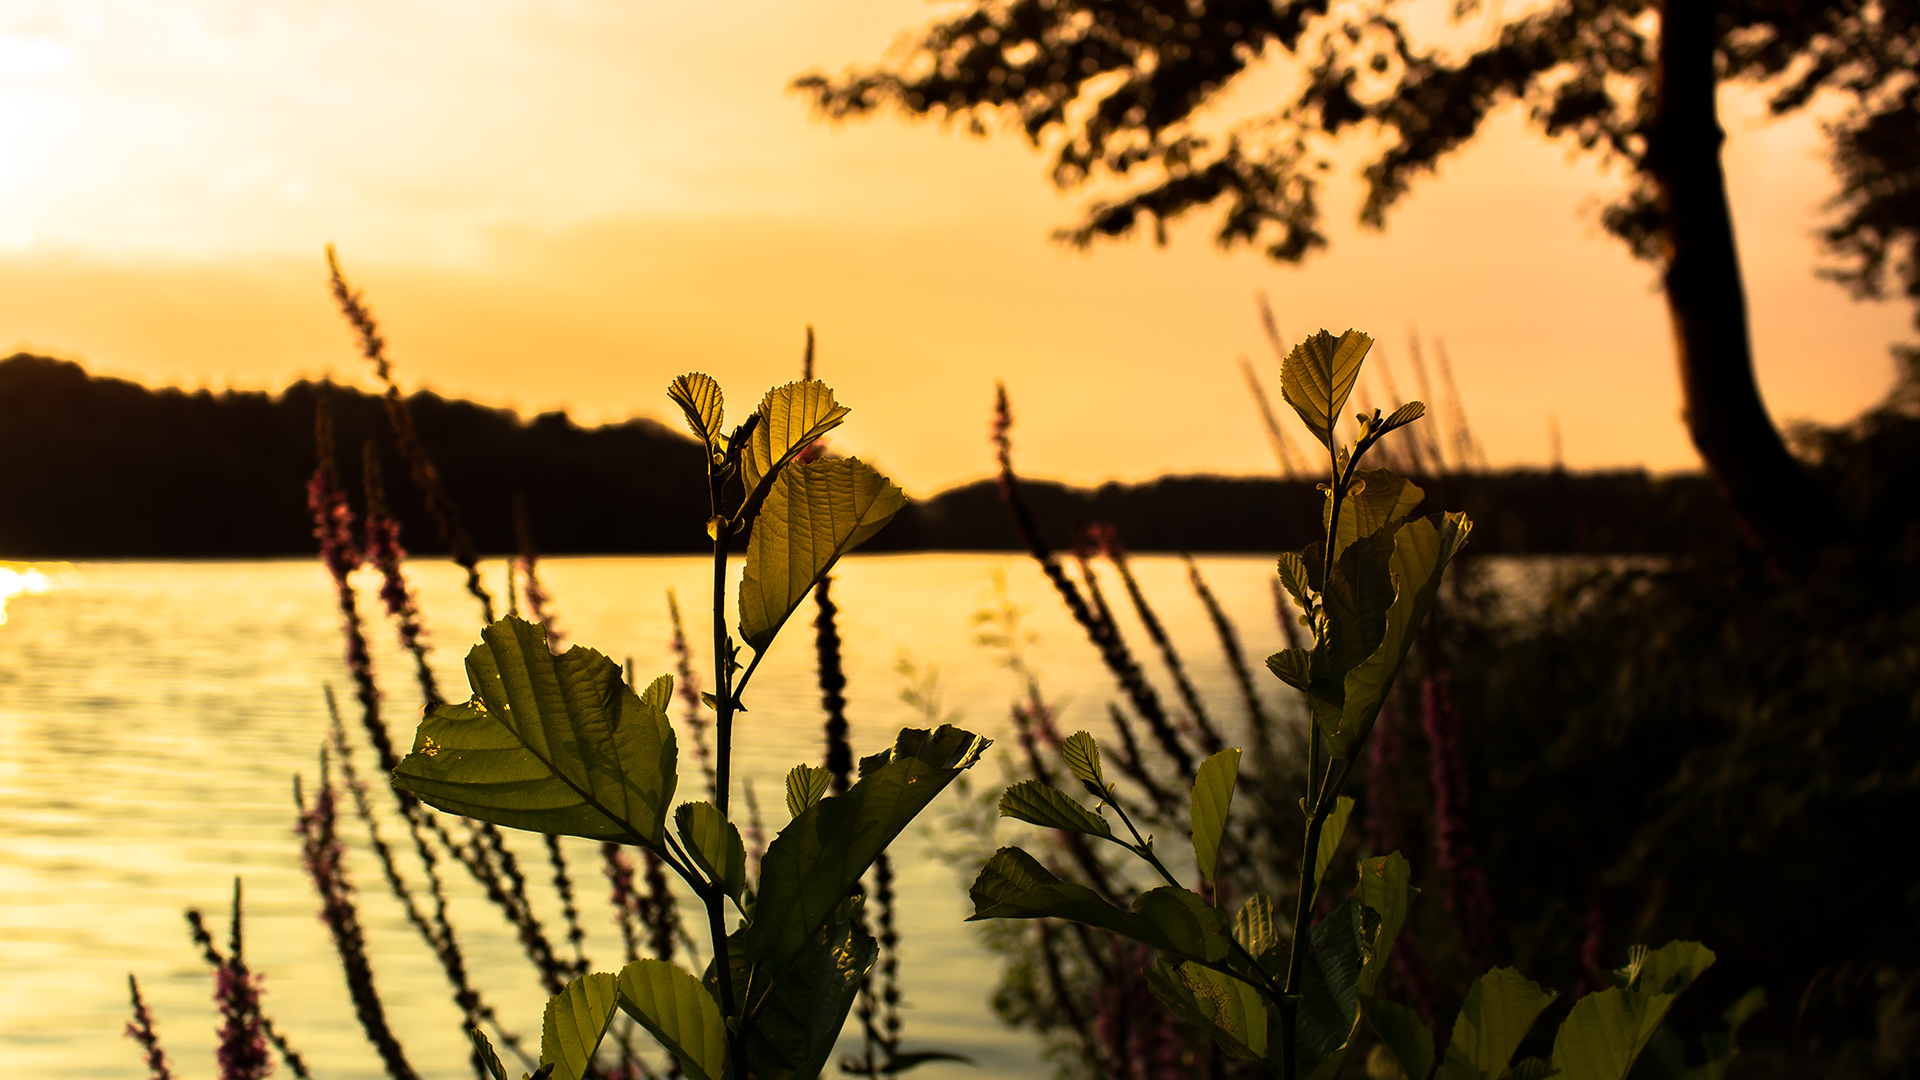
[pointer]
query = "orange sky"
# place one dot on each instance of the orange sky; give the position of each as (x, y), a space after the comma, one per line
(563, 203)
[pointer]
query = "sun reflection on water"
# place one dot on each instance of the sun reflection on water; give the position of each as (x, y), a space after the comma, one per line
(30, 579)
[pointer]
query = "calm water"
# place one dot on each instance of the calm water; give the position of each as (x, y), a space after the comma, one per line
(153, 715)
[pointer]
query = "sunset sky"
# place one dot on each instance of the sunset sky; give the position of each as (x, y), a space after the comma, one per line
(564, 203)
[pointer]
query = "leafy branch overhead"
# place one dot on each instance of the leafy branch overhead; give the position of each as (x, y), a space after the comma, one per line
(562, 745)
(1119, 91)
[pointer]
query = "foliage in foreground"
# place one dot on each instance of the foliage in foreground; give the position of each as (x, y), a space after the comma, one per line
(1297, 996)
(563, 745)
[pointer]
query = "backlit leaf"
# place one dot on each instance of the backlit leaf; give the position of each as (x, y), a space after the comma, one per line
(1401, 1030)
(1291, 666)
(1349, 950)
(1607, 1031)
(1040, 804)
(1224, 1007)
(1500, 1008)
(1358, 596)
(809, 867)
(488, 1059)
(791, 417)
(1013, 885)
(1421, 549)
(679, 1013)
(1329, 1001)
(576, 1019)
(699, 397)
(1385, 887)
(1253, 927)
(1402, 416)
(1189, 924)
(1331, 833)
(1385, 499)
(799, 1018)
(805, 786)
(1318, 375)
(1082, 755)
(554, 744)
(1293, 577)
(715, 844)
(1213, 787)
(814, 514)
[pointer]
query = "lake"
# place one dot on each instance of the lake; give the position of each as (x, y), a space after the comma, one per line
(153, 716)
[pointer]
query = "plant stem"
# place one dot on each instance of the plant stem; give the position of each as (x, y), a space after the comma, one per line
(714, 896)
(723, 682)
(1320, 802)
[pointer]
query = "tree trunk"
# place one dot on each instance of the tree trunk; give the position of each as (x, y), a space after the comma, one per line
(1779, 503)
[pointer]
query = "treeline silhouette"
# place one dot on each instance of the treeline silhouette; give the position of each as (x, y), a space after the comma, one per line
(105, 468)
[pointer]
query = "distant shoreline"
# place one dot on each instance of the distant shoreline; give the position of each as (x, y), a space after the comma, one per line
(100, 468)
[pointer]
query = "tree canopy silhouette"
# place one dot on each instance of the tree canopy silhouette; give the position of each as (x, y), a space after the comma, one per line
(1115, 87)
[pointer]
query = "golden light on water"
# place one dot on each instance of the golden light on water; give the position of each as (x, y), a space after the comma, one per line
(30, 579)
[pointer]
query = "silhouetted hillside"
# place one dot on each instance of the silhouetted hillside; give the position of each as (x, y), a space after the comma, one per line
(1532, 511)
(103, 468)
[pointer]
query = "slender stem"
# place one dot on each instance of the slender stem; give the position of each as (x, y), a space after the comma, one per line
(723, 760)
(681, 863)
(740, 688)
(722, 657)
(1320, 802)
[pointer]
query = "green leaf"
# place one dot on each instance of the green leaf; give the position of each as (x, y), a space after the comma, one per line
(715, 844)
(1331, 833)
(1329, 999)
(1213, 787)
(679, 1013)
(699, 397)
(1013, 885)
(553, 744)
(1358, 596)
(814, 514)
(1501, 1007)
(797, 1021)
(1293, 577)
(1401, 417)
(1319, 374)
(576, 1019)
(1606, 1031)
(805, 786)
(1529, 1068)
(1040, 804)
(1379, 498)
(1421, 550)
(1672, 967)
(809, 867)
(484, 1047)
(1224, 1007)
(1083, 760)
(1385, 888)
(1188, 923)
(1253, 927)
(791, 418)
(1404, 1036)
(1291, 665)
